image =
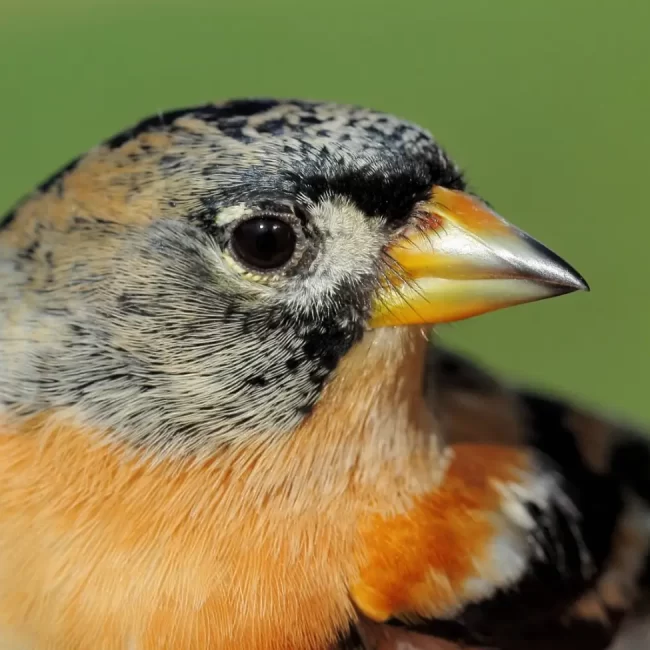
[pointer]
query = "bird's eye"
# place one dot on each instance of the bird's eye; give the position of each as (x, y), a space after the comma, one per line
(263, 243)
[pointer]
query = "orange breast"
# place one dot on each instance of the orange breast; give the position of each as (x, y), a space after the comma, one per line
(100, 551)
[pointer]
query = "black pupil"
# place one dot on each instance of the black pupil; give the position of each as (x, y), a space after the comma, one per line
(264, 242)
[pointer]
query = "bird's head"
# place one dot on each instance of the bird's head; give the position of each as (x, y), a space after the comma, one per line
(214, 265)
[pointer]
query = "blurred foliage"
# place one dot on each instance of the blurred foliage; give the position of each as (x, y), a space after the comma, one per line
(545, 104)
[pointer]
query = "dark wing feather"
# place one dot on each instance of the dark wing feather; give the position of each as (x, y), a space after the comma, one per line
(606, 468)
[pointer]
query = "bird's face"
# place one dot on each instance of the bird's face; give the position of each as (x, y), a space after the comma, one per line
(216, 265)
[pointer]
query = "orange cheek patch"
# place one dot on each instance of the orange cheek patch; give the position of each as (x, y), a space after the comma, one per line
(418, 562)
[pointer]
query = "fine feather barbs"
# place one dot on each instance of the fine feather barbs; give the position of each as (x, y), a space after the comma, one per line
(221, 423)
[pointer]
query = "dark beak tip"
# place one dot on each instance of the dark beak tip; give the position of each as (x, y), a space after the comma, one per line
(572, 280)
(577, 283)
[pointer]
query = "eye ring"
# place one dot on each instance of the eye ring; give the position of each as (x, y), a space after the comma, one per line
(266, 243)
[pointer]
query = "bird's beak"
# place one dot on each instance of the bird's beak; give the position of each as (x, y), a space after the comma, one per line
(462, 260)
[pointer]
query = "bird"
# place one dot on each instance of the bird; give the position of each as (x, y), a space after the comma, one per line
(226, 422)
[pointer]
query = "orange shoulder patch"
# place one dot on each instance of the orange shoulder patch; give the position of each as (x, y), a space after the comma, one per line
(436, 557)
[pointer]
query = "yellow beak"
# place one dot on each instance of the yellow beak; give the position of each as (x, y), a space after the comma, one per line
(462, 260)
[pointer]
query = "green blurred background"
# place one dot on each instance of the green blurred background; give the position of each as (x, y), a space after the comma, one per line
(545, 104)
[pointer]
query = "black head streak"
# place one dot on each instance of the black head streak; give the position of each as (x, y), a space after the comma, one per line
(390, 195)
(171, 162)
(160, 122)
(292, 364)
(317, 377)
(256, 380)
(229, 312)
(322, 349)
(306, 409)
(236, 108)
(28, 253)
(81, 222)
(209, 204)
(234, 128)
(329, 360)
(77, 330)
(311, 347)
(129, 304)
(8, 219)
(216, 114)
(57, 311)
(210, 170)
(57, 178)
(273, 127)
(273, 323)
